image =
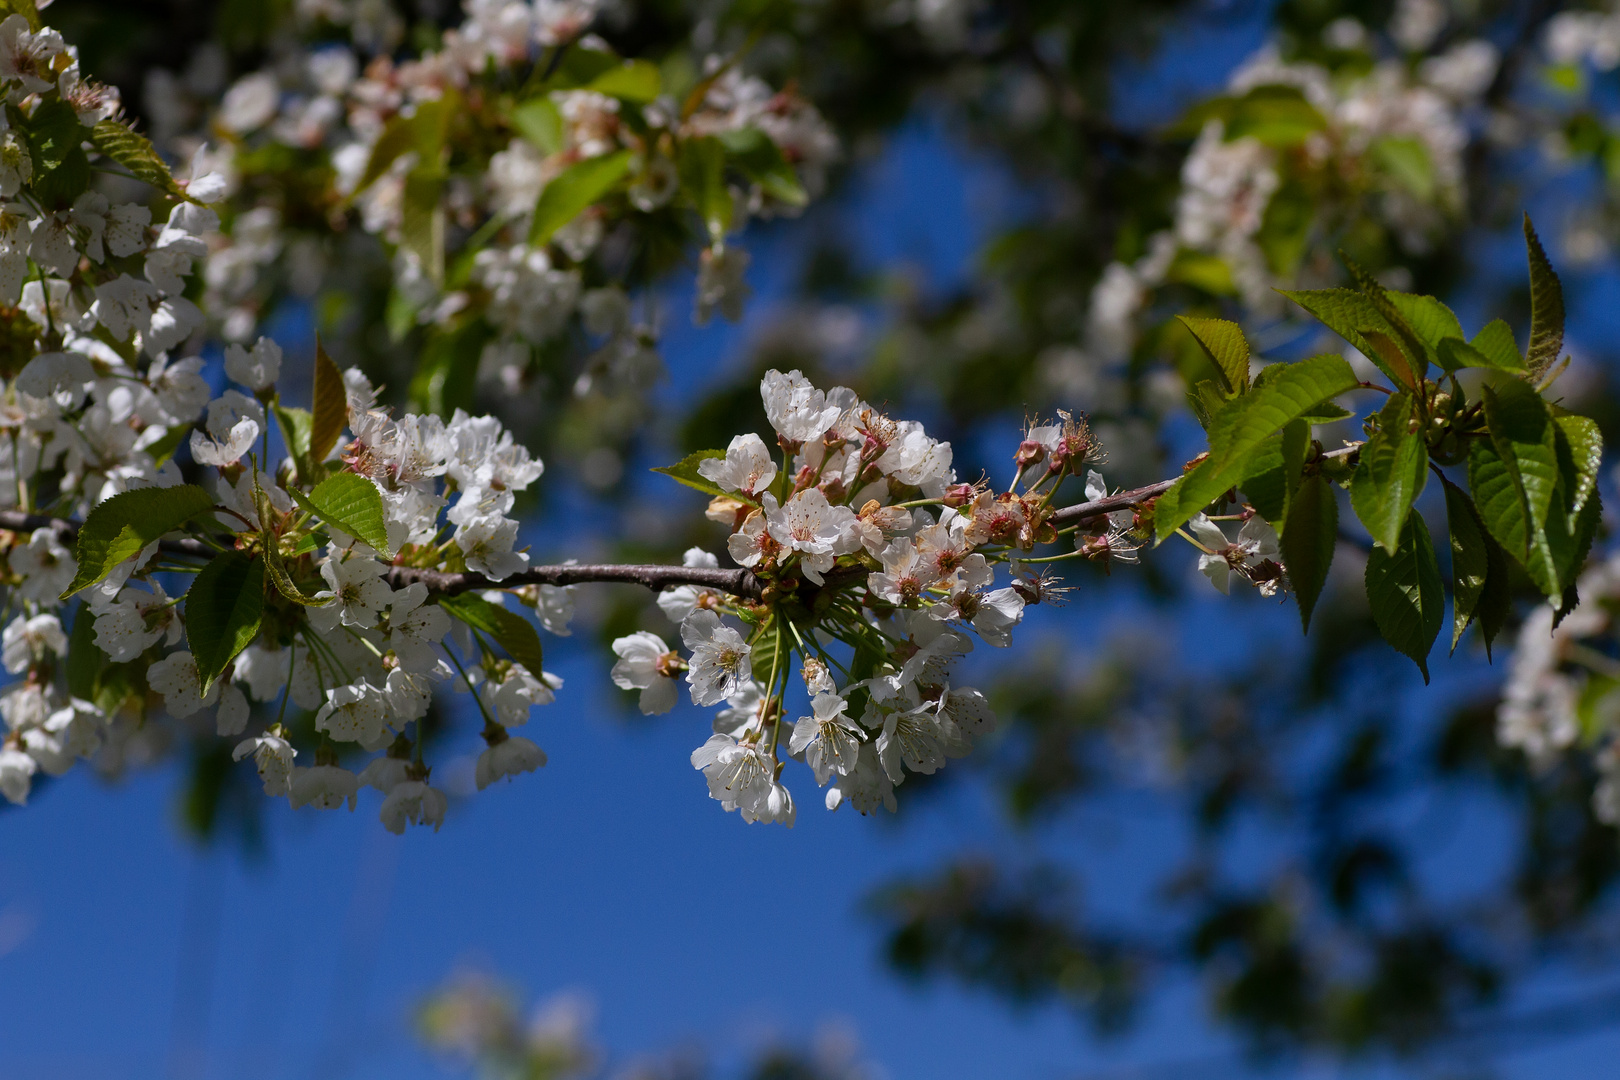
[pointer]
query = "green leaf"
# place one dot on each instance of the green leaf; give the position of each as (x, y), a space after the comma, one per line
(1454, 355)
(120, 527)
(284, 583)
(1309, 541)
(54, 131)
(1495, 341)
(164, 448)
(1392, 470)
(1285, 228)
(1479, 571)
(1201, 270)
(1585, 444)
(538, 121)
(1274, 471)
(1275, 115)
(422, 221)
(1546, 308)
(1352, 316)
(83, 659)
(578, 186)
(1223, 342)
(349, 502)
(1406, 161)
(295, 424)
(1524, 439)
(423, 133)
(135, 152)
(637, 81)
(758, 157)
(223, 609)
(58, 189)
(685, 471)
(1243, 425)
(1431, 320)
(27, 9)
(703, 177)
(1407, 598)
(1403, 349)
(510, 630)
(331, 406)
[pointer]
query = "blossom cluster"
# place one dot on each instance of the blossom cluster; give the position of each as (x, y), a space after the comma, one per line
(1388, 138)
(879, 570)
(443, 164)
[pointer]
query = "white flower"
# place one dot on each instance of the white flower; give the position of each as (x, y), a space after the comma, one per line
(719, 663)
(27, 641)
(554, 605)
(45, 566)
(228, 451)
(413, 802)
(325, 787)
(817, 679)
(747, 466)
(256, 369)
(26, 57)
(16, 164)
(232, 717)
(796, 409)
(647, 664)
(508, 757)
(753, 542)
(415, 626)
(742, 778)
(385, 773)
(1256, 543)
(355, 713)
(912, 737)
(903, 578)
(52, 244)
(829, 740)
(487, 542)
(264, 670)
(357, 589)
(273, 756)
(681, 601)
(176, 678)
(519, 692)
(126, 229)
(250, 103)
(866, 787)
(816, 529)
(16, 775)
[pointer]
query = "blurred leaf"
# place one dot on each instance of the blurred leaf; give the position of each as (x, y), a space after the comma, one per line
(579, 186)
(1406, 160)
(634, 80)
(331, 406)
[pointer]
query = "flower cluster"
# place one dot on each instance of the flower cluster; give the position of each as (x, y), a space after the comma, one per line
(1386, 139)
(878, 571)
(444, 163)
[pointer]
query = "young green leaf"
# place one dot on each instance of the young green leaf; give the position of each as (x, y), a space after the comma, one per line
(1583, 442)
(136, 153)
(1274, 471)
(757, 157)
(1406, 160)
(1430, 319)
(1243, 425)
(1479, 571)
(421, 226)
(1495, 342)
(510, 630)
(1407, 598)
(1454, 354)
(685, 471)
(1402, 348)
(349, 502)
(1525, 440)
(566, 196)
(277, 573)
(636, 81)
(331, 406)
(1352, 316)
(83, 659)
(703, 177)
(1546, 308)
(120, 527)
(1223, 342)
(223, 609)
(1309, 541)
(538, 121)
(1394, 464)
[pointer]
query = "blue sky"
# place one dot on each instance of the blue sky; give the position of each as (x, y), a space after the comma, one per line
(126, 951)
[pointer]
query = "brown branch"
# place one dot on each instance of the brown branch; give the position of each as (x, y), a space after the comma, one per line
(657, 577)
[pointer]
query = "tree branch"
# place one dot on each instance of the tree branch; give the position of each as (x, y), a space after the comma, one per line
(657, 577)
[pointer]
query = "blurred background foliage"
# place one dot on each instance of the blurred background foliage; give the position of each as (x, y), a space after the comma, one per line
(1344, 865)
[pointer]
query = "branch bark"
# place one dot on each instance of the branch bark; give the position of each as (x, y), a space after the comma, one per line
(657, 577)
